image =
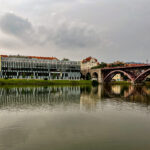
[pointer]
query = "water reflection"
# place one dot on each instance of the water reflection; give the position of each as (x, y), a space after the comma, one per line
(37, 96)
(106, 117)
(88, 97)
(130, 93)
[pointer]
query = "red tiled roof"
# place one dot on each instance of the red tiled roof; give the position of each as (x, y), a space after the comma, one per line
(4, 55)
(88, 59)
(135, 65)
(48, 58)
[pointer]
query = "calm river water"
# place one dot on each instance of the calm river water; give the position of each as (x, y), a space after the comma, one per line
(75, 118)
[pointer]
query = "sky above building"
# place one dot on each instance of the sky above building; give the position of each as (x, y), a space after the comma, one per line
(109, 30)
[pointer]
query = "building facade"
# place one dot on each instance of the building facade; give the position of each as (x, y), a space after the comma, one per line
(88, 63)
(31, 67)
(117, 77)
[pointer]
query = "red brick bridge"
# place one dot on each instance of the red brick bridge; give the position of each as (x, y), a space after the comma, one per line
(136, 74)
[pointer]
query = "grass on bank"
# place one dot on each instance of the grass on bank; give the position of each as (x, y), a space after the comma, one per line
(147, 83)
(120, 82)
(43, 82)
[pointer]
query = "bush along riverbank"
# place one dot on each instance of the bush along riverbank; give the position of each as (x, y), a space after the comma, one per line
(43, 82)
(147, 83)
(120, 82)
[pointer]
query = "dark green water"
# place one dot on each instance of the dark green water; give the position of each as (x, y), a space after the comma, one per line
(75, 118)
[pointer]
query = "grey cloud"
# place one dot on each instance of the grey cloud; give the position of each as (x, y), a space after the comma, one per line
(15, 25)
(18, 27)
(75, 35)
(120, 28)
(125, 22)
(66, 34)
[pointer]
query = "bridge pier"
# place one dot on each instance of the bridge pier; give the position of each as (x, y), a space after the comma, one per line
(100, 79)
(95, 74)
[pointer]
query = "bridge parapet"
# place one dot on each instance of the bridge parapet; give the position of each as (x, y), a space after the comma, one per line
(135, 74)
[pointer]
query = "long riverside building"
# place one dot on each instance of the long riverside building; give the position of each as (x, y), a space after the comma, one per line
(32, 67)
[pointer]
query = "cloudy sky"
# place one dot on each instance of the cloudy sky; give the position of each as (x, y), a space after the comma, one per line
(106, 29)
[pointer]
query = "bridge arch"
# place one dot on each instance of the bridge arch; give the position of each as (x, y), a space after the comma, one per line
(94, 76)
(109, 77)
(142, 76)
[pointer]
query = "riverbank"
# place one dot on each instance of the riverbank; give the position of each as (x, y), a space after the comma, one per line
(120, 82)
(58, 82)
(147, 83)
(43, 82)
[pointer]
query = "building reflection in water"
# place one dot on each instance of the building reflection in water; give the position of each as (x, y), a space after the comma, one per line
(116, 89)
(86, 97)
(90, 96)
(37, 96)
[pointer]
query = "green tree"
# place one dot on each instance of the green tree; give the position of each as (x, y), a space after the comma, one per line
(102, 65)
(88, 76)
(23, 75)
(65, 59)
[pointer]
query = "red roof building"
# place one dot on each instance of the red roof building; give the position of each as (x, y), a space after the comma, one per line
(36, 57)
(88, 63)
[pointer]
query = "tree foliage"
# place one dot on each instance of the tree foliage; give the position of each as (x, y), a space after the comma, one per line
(65, 59)
(114, 64)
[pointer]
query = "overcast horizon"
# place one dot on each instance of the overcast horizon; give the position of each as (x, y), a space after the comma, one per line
(108, 30)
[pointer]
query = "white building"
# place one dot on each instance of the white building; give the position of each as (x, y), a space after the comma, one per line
(117, 77)
(33, 67)
(88, 63)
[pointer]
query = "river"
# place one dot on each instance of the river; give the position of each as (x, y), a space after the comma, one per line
(110, 117)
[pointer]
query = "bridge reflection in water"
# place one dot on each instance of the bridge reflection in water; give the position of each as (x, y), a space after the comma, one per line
(86, 97)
